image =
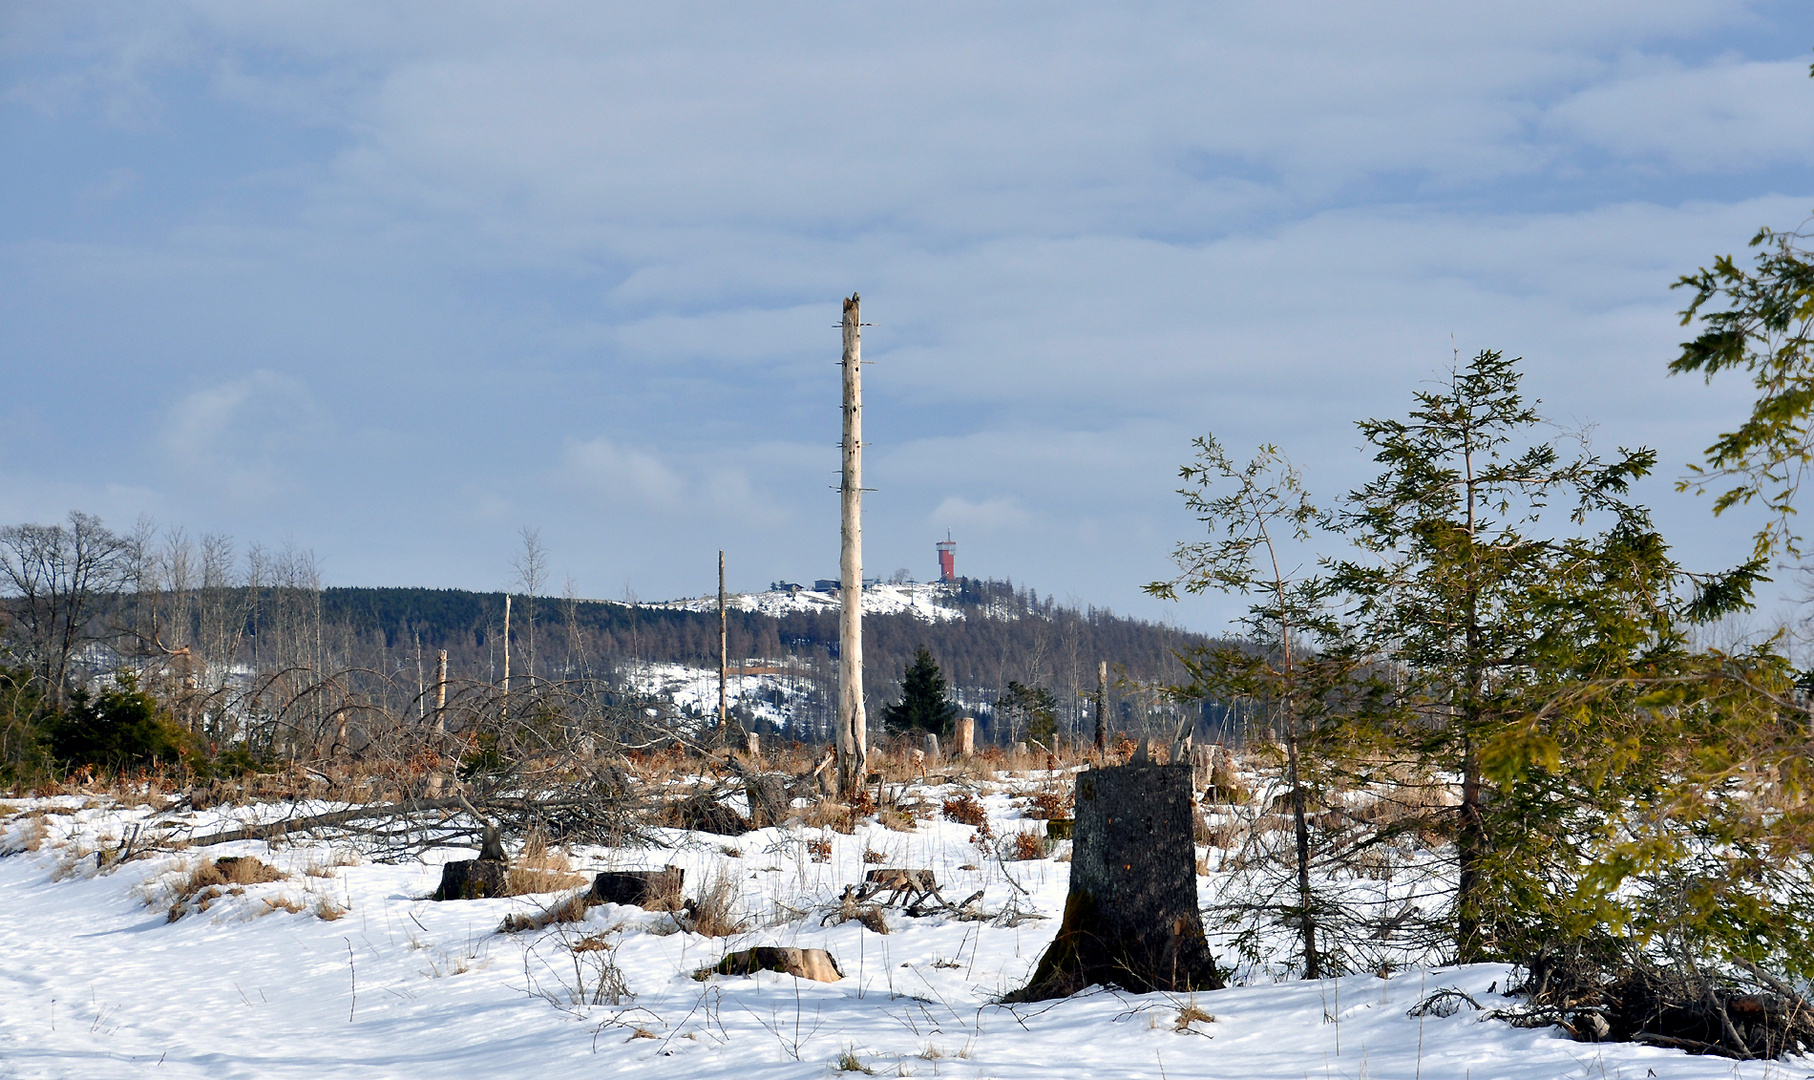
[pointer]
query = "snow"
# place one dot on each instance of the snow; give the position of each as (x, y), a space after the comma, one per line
(764, 687)
(96, 982)
(928, 601)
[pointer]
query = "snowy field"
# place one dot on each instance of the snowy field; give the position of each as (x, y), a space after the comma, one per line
(367, 978)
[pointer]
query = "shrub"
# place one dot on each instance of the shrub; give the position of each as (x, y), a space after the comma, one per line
(965, 809)
(119, 728)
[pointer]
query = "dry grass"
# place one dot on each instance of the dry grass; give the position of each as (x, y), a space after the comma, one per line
(540, 869)
(327, 911)
(717, 912)
(572, 909)
(819, 849)
(965, 809)
(897, 819)
(871, 855)
(826, 814)
(1189, 1014)
(211, 879)
(283, 903)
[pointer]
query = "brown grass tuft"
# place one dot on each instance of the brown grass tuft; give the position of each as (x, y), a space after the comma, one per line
(540, 869)
(716, 913)
(570, 910)
(327, 911)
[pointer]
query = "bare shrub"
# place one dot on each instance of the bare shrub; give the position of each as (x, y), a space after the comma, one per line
(871, 855)
(965, 809)
(1048, 803)
(1025, 845)
(819, 849)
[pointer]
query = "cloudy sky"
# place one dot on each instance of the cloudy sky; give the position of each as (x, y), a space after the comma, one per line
(393, 280)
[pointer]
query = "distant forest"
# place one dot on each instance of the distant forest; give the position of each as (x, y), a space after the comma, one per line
(1006, 634)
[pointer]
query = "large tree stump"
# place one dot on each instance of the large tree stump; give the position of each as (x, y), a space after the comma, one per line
(473, 879)
(1131, 916)
(769, 801)
(652, 889)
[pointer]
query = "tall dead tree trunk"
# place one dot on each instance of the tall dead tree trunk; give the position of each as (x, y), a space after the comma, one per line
(723, 641)
(853, 727)
(1130, 919)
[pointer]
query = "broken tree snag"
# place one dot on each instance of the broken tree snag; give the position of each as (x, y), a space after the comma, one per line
(652, 889)
(768, 798)
(1130, 919)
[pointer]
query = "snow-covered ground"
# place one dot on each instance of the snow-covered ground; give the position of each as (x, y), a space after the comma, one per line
(766, 688)
(929, 601)
(95, 981)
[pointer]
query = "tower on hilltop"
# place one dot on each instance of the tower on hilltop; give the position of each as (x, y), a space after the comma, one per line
(947, 559)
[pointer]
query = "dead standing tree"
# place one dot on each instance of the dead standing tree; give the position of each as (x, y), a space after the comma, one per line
(1130, 919)
(853, 727)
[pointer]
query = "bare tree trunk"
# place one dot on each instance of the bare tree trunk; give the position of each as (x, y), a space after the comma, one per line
(440, 692)
(853, 733)
(1102, 705)
(506, 710)
(723, 641)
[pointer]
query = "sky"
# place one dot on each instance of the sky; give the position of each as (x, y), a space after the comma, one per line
(393, 281)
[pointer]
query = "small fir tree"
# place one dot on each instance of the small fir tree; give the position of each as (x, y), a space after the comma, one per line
(923, 707)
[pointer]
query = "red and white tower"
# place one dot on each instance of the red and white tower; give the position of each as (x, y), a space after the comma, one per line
(947, 559)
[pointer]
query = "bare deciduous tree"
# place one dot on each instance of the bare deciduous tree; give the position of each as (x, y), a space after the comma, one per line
(58, 576)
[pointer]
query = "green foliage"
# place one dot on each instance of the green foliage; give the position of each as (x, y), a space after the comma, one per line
(1759, 321)
(1542, 628)
(924, 706)
(1031, 710)
(119, 728)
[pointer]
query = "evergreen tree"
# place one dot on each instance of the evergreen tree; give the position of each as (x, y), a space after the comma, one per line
(923, 706)
(1029, 710)
(1532, 652)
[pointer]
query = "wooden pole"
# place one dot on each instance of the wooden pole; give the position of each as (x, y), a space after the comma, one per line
(506, 654)
(1102, 699)
(723, 638)
(853, 733)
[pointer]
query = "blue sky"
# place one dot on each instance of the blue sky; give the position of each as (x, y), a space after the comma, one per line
(394, 280)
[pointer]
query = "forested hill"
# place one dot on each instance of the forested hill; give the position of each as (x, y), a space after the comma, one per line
(992, 634)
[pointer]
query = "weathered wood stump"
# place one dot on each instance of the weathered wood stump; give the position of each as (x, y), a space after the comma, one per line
(814, 964)
(652, 889)
(1131, 916)
(473, 879)
(769, 802)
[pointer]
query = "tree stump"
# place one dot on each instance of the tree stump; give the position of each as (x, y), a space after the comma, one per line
(1130, 918)
(653, 889)
(473, 879)
(815, 964)
(769, 802)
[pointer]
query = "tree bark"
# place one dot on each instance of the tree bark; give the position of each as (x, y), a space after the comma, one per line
(1130, 918)
(853, 733)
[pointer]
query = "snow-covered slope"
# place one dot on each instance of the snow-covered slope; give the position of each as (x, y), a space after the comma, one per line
(96, 982)
(927, 601)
